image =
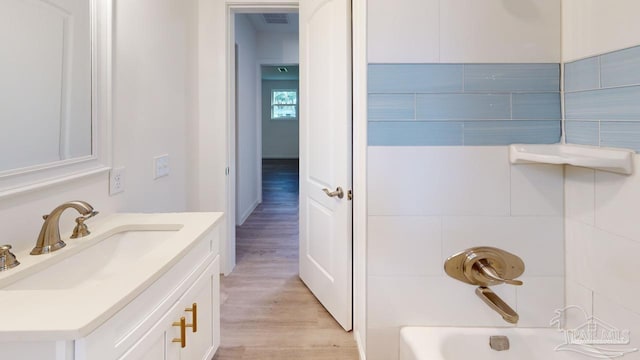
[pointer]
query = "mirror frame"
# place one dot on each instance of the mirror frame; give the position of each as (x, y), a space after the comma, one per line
(31, 178)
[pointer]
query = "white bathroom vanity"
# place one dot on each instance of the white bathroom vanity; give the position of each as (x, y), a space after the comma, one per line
(141, 286)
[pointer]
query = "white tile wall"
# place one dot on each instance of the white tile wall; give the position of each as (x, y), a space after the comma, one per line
(580, 296)
(415, 35)
(409, 180)
(445, 200)
(617, 199)
(580, 194)
(602, 240)
(423, 31)
(592, 27)
(538, 298)
(500, 31)
(621, 318)
(405, 245)
(536, 190)
(577, 238)
(537, 240)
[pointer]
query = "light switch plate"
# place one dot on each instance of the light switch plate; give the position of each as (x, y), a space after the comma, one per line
(161, 166)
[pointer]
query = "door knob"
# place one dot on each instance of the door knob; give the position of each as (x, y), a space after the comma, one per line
(338, 193)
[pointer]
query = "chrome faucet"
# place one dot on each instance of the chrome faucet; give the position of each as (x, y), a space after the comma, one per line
(49, 239)
(486, 266)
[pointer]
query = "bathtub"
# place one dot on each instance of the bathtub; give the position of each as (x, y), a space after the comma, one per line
(449, 343)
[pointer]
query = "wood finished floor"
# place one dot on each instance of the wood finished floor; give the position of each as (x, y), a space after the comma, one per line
(267, 312)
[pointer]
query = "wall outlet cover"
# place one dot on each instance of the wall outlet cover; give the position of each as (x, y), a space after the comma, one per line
(116, 181)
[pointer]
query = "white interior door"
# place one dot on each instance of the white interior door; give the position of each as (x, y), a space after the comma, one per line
(325, 154)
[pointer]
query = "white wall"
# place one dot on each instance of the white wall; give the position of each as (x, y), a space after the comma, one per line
(280, 138)
(155, 87)
(277, 48)
(602, 209)
(593, 27)
(247, 121)
(452, 31)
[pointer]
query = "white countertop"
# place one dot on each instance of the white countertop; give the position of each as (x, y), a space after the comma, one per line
(47, 315)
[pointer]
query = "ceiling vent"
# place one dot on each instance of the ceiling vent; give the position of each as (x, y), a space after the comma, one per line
(276, 18)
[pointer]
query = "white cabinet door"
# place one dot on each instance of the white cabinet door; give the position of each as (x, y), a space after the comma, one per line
(200, 344)
(157, 342)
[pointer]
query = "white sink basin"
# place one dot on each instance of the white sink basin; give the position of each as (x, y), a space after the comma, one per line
(112, 256)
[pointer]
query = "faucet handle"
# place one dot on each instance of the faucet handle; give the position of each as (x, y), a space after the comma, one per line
(485, 266)
(81, 229)
(487, 270)
(7, 259)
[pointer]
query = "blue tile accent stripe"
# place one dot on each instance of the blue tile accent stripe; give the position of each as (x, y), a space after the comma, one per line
(414, 78)
(612, 104)
(511, 132)
(463, 104)
(392, 107)
(621, 68)
(620, 134)
(415, 133)
(602, 100)
(542, 106)
(582, 132)
(582, 75)
(512, 77)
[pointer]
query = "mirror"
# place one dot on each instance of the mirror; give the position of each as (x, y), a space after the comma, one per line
(54, 66)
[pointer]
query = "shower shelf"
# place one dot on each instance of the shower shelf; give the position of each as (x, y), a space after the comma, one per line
(606, 159)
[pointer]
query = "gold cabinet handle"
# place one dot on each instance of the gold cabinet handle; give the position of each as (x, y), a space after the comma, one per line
(338, 193)
(194, 317)
(183, 332)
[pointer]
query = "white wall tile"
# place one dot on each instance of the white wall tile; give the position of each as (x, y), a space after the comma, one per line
(592, 27)
(403, 31)
(500, 31)
(618, 202)
(580, 194)
(404, 245)
(536, 190)
(621, 318)
(604, 263)
(538, 298)
(577, 237)
(438, 180)
(430, 301)
(537, 240)
(613, 263)
(580, 296)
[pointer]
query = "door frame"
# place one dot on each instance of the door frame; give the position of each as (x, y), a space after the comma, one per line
(211, 166)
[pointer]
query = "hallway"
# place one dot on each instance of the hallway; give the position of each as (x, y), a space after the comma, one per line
(267, 312)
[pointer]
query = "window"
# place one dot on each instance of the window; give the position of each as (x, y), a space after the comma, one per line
(284, 104)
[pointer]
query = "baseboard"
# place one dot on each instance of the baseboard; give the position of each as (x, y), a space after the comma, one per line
(247, 213)
(361, 351)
